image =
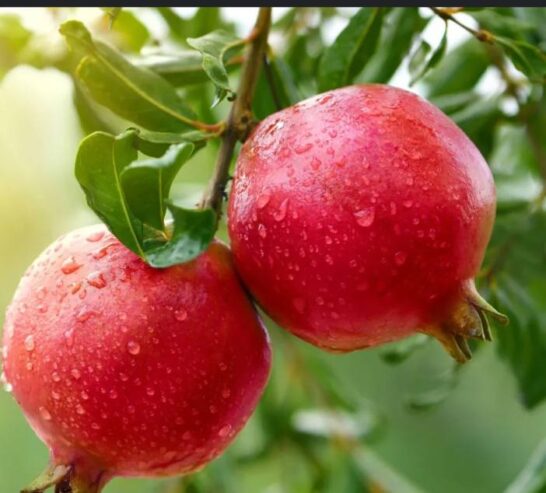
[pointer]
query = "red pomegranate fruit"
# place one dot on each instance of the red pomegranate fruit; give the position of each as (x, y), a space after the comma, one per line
(122, 369)
(360, 216)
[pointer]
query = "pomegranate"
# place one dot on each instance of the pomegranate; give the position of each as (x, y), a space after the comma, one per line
(122, 369)
(360, 216)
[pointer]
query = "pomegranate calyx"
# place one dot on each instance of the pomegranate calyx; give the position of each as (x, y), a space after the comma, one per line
(65, 480)
(467, 319)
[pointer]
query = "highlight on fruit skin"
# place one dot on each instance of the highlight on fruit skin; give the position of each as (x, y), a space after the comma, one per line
(122, 369)
(361, 216)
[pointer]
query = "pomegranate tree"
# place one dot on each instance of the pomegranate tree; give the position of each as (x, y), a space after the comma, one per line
(122, 369)
(360, 216)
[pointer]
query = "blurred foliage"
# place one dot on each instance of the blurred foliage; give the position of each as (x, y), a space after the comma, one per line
(313, 431)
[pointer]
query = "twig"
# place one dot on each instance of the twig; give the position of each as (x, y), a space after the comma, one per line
(481, 34)
(239, 121)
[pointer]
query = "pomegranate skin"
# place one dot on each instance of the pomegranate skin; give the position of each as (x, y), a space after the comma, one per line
(122, 369)
(359, 216)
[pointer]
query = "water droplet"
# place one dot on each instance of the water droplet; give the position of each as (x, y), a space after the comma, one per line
(400, 258)
(328, 240)
(332, 133)
(29, 343)
(44, 413)
(84, 314)
(262, 231)
(365, 217)
(320, 300)
(95, 426)
(113, 394)
(334, 315)
(299, 304)
(407, 204)
(75, 373)
(42, 308)
(5, 383)
(100, 253)
(93, 237)
(393, 208)
(75, 287)
(226, 393)
(41, 293)
(29, 366)
(69, 338)
(150, 391)
(96, 279)
(301, 149)
(263, 200)
(70, 265)
(55, 395)
(409, 181)
(123, 377)
(280, 214)
(224, 431)
(55, 377)
(181, 314)
(133, 347)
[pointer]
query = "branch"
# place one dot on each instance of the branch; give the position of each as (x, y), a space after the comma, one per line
(239, 121)
(481, 34)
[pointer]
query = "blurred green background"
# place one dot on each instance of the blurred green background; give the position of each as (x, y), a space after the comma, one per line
(476, 440)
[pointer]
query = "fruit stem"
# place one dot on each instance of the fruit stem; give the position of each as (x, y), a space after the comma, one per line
(467, 319)
(239, 122)
(65, 480)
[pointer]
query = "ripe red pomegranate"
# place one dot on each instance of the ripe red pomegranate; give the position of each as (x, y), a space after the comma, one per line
(122, 369)
(360, 216)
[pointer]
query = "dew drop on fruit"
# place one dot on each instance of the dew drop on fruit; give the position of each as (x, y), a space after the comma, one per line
(55, 377)
(263, 200)
(133, 347)
(55, 395)
(280, 214)
(75, 373)
(70, 265)
(301, 149)
(224, 431)
(29, 366)
(226, 393)
(181, 314)
(150, 391)
(299, 304)
(41, 293)
(79, 409)
(365, 217)
(29, 343)
(407, 204)
(93, 237)
(400, 258)
(123, 377)
(69, 338)
(113, 394)
(5, 383)
(96, 279)
(84, 314)
(44, 413)
(262, 231)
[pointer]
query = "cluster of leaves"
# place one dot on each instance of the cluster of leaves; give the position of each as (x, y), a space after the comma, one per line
(133, 104)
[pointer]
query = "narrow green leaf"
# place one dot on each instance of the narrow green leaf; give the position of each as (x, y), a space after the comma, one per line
(418, 58)
(399, 29)
(459, 70)
(532, 478)
(527, 58)
(351, 50)
(100, 160)
(147, 183)
(134, 93)
(155, 144)
(213, 48)
(432, 61)
(397, 352)
(128, 32)
(192, 233)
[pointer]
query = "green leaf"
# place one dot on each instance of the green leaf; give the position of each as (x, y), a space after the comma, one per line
(183, 69)
(351, 50)
(418, 71)
(503, 23)
(515, 272)
(100, 161)
(112, 12)
(399, 29)
(136, 94)
(193, 231)
(155, 144)
(147, 183)
(128, 32)
(459, 70)
(418, 58)
(13, 38)
(397, 352)
(437, 394)
(532, 478)
(213, 48)
(527, 58)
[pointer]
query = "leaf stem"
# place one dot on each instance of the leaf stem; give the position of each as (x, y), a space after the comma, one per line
(239, 122)
(480, 35)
